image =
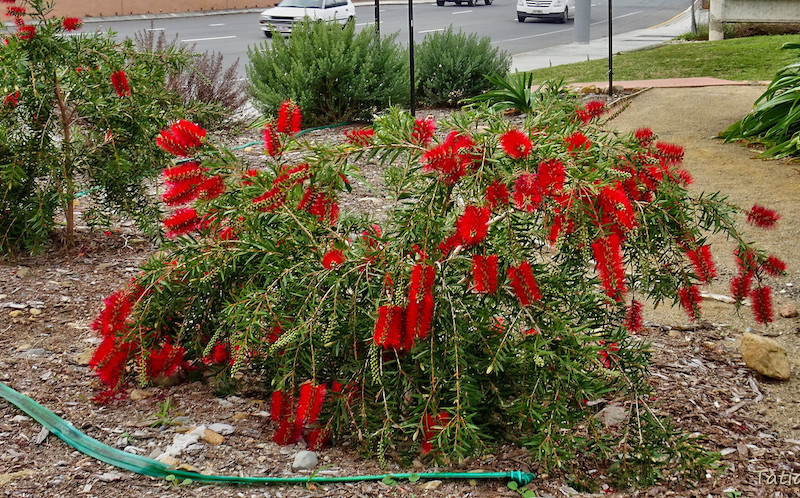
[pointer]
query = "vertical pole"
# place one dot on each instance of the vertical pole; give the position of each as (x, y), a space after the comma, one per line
(411, 53)
(378, 17)
(694, 21)
(583, 13)
(610, 54)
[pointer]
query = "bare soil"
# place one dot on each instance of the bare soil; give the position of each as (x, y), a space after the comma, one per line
(48, 302)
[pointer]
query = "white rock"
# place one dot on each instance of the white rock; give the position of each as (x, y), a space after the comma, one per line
(224, 429)
(304, 460)
(181, 441)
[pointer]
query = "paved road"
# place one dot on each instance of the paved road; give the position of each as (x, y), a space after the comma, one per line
(232, 34)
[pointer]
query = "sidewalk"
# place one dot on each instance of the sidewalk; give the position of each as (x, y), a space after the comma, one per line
(598, 48)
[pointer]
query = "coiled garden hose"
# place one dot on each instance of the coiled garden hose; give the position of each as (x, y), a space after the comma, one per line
(149, 467)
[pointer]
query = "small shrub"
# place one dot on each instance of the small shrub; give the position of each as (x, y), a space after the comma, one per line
(453, 66)
(498, 303)
(334, 74)
(205, 80)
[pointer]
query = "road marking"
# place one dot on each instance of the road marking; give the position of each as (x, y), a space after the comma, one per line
(618, 17)
(218, 24)
(367, 23)
(208, 39)
(155, 29)
(430, 30)
(462, 12)
(669, 21)
(531, 36)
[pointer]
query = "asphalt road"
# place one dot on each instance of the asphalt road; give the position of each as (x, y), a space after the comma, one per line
(232, 34)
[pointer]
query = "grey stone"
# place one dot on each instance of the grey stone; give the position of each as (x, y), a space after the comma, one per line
(224, 429)
(304, 460)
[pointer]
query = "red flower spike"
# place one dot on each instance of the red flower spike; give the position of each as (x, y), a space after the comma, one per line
(484, 273)
(281, 436)
(272, 143)
(12, 99)
(550, 177)
(293, 176)
(592, 110)
(317, 438)
(617, 208)
(381, 325)
(496, 194)
(211, 188)
(690, 300)
(740, 286)
(120, 81)
(394, 333)
(183, 221)
(704, 267)
(774, 266)
(423, 131)
(746, 261)
(761, 298)
(296, 120)
(284, 113)
(527, 193)
(276, 405)
(577, 142)
(426, 318)
(607, 254)
(274, 334)
(183, 172)
(270, 200)
(516, 144)
(304, 402)
(472, 226)
(15, 11)
(181, 138)
(332, 258)
(633, 320)
(644, 136)
(360, 137)
(670, 153)
(26, 32)
(72, 23)
(411, 323)
(451, 158)
(762, 217)
(165, 361)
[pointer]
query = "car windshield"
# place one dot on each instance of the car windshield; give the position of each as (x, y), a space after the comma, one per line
(306, 4)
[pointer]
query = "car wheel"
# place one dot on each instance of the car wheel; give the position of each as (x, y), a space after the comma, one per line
(440, 3)
(268, 34)
(520, 17)
(565, 16)
(470, 3)
(487, 2)
(458, 2)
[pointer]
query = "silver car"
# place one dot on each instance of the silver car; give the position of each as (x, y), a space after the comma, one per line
(282, 17)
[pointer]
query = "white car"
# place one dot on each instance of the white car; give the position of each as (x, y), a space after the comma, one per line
(560, 10)
(282, 17)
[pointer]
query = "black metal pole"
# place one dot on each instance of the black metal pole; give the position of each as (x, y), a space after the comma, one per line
(411, 52)
(378, 17)
(610, 54)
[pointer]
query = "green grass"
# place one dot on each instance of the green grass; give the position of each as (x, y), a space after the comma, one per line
(742, 59)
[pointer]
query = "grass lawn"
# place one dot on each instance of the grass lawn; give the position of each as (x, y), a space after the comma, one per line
(743, 59)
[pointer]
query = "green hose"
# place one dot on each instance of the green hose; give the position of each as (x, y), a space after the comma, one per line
(149, 467)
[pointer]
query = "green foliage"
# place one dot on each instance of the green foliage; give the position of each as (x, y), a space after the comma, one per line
(67, 131)
(451, 66)
(517, 92)
(402, 339)
(775, 118)
(334, 74)
(162, 417)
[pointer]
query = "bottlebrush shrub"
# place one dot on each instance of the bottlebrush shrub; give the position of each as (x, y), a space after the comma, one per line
(77, 115)
(496, 304)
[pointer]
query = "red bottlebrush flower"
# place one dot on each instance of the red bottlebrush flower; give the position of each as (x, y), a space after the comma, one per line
(165, 361)
(12, 99)
(332, 258)
(690, 300)
(423, 131)
(745, 260)
(182, 192)
(762, 217)
(774, 266)
(250, 173)
(606, 354)
(496, 194)
(426, 316)
(360, 137)
(183, 172)
(274, 334)
(524, 284)
(270, 200)
(281, 436)
(551, 176)
(670, 153)
(227, 233)
(616, 207)
(684, 177)
(320, 205)
(473, 226)
(394, 333)
(113, 318)
(644, 136)
(111, 365)
(296, 121)
(577, 141)
(120, 81)
(276, 405)
(26, 32)
(15, 11)
(484, 273)
(181, 222)
(272, 142)
(317, 438)
(316, 403)
(211, 188)
(516, 144)
(289, 118)
(72, 23)
(293, 176)
(381, 325)
(449, 244)
(304, 402)
(591, 110)
(761, 298)
(704, 267)
(219, 355)
(740, 285)
(429, 424)
(181, 138)
(527, 193)
(633, 320)
(610, 267)
(451, 158)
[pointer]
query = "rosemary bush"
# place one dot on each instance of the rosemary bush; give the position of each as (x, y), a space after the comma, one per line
(499, 302)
